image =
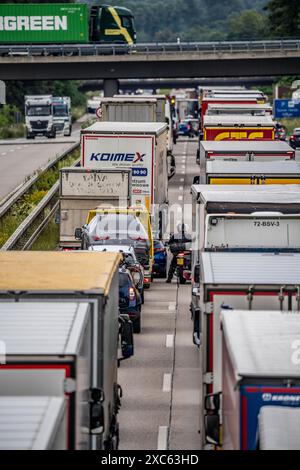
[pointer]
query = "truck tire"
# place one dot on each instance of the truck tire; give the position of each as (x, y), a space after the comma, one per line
(29, 136)
(137, 324)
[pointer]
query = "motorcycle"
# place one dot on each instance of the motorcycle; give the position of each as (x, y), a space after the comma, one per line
(184, 266)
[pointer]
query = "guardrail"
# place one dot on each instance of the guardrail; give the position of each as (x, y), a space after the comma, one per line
(214, 47)
(30, 229)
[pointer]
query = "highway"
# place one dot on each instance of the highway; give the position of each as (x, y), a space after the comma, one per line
(20, 158)
(161, 382)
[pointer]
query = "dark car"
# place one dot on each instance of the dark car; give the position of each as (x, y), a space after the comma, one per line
(184, 128)
(130, 301)
(160, 259)
(295, 138)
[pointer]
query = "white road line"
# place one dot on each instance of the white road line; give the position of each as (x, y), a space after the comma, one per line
(172, 306)
(182, 166)
(181, 180)
(167, 383)
(11, 150)
(19, 148)
(180, 198)
(3, 153)
(169, 341)
(180, 188)
(162, 438)
(183, 172)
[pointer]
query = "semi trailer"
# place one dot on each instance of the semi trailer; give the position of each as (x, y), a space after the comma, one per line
(227, 172)
(65, 23)
(238, 127)
(33, 423)
(136, 146)
(261, 381)
(247, 281)
(83, 189)
(81, 278)
(243, 150)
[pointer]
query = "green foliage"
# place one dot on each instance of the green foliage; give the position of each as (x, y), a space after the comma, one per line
(248, 25)
(284, 18)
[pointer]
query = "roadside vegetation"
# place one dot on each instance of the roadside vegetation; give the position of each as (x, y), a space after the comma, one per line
(24, 206)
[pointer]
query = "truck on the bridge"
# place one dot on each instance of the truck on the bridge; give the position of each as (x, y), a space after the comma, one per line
(65, 23)
(62, 116)
(139, 147)
(39, 119)
(226, 172)
(260, 372)
(248, 281)
(238, 127)
(245, 150)
(89, 281)
(83, 189)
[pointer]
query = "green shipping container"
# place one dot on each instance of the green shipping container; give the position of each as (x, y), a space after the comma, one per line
(43, 23)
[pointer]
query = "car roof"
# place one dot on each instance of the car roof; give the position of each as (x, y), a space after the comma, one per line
(113, 248)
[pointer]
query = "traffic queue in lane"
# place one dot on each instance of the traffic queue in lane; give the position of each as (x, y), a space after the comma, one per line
(245, 289)
(88, 295)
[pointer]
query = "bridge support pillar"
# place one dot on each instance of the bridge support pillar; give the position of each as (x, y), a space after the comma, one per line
(110, 87)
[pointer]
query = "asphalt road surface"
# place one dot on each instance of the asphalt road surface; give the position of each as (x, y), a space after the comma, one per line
(20, 158)
(161, 382)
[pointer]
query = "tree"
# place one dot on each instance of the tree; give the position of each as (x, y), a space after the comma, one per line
(247, 25)
(284, 18)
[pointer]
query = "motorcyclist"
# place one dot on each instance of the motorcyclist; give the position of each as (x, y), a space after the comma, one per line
(181, 236)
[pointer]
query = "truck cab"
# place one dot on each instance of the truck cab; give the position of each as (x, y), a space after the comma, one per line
(39, 116)
(62, 117)
(112, 25)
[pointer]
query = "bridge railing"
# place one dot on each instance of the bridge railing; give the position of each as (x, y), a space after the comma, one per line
(231, 47)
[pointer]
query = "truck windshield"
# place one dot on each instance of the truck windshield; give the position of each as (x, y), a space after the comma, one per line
(39, 110)
(60, 110)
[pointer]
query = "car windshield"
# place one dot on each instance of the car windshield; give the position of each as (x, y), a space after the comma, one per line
(60, 110)
(38, 110)
(123, 227)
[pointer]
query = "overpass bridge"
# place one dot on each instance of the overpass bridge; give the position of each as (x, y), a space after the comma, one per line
(168, 60)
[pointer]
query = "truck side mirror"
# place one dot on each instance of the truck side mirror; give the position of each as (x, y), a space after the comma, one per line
(197, 274)
(196, 180)
(96, 411)
(78, 233)
(212, 429)
(212, 402)
(126, 334)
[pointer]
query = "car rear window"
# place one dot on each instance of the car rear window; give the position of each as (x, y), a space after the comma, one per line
(124, 280)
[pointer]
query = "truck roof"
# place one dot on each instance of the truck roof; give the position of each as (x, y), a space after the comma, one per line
(276, 194)
(142, 97)
(48, 328)
(279, 428)
(238, 146)
(246, 106)
(250, 268)
(226, 120)
(29, 423)
(260, 342)
(127, 99)
(126, 128)
(57, 271)
(285, 167)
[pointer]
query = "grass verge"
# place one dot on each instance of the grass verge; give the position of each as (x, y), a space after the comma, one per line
(49, 238)
(22, 208)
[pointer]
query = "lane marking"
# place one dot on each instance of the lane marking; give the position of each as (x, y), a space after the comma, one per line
(180, 198)
(11, 150)
(181, 180)
(180, 188)
(182, 166)
(169, 341)
(167, 383)
(3, 153)
(183, 172)
(162, 438)
(172, 306)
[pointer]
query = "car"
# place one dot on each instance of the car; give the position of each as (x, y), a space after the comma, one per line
(130, 302)
(295, 138)
(184, 129)
(160, 259)
(129, 260)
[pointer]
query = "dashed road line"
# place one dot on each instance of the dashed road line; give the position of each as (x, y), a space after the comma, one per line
(167, 381)
(162, 438)
(169, 341)
(180, 198)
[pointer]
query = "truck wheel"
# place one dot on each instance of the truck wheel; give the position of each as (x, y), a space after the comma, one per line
(29, 136)
(137, 324)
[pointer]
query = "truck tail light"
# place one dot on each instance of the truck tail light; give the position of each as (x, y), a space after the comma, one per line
(131, 293)
(147, 280)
